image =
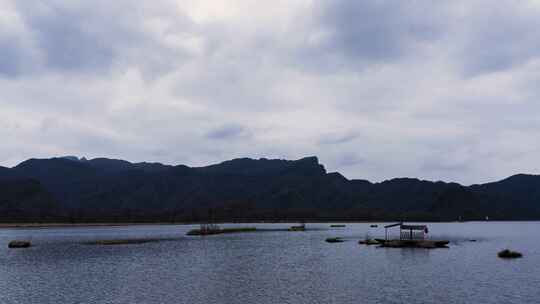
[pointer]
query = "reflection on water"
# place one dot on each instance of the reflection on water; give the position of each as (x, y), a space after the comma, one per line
(271, 267)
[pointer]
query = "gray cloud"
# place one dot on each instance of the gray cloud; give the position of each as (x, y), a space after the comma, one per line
(351, 34)
(70, 38)
(338, 138)
(376, 89)
(349, 159)
(10, 64)
(227, 132)
(102, 36)
(500, 37)
(16, 55)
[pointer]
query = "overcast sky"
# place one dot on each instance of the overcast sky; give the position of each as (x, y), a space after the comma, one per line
(439, 90)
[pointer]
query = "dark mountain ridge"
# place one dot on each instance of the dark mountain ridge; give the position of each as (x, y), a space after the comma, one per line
(101, 189)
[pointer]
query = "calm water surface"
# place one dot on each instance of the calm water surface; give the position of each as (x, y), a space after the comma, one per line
(270, 267)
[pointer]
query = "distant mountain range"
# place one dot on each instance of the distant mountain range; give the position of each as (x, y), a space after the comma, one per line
(69, 189)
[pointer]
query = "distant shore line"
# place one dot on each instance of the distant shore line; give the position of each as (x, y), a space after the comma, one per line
(105, 224)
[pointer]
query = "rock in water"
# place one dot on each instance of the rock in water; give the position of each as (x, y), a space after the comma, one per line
(19, 244)
(508, 254)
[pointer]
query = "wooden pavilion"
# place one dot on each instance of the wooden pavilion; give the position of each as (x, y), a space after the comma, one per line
(413, 236)
(408, 232)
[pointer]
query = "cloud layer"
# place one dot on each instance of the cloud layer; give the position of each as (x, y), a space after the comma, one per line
(377, 89)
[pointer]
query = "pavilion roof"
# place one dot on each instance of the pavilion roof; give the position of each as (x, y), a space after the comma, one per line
(393, 225)
(407, 227)
(413, 227)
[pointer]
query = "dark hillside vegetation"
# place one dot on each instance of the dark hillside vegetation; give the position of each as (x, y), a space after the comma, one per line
(108, 190)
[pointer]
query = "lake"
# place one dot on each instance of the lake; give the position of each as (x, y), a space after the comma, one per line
(271, 266)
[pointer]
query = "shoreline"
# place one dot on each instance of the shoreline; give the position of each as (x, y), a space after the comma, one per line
(76, 225)
(82, 225)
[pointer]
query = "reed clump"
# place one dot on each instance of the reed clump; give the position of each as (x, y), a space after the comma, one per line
(297, 228)
(123, 241)
(334, 240)
(509, 254)
(369, 242)
(221, 231)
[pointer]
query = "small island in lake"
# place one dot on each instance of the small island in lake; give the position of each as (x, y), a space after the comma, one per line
(210, 229)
